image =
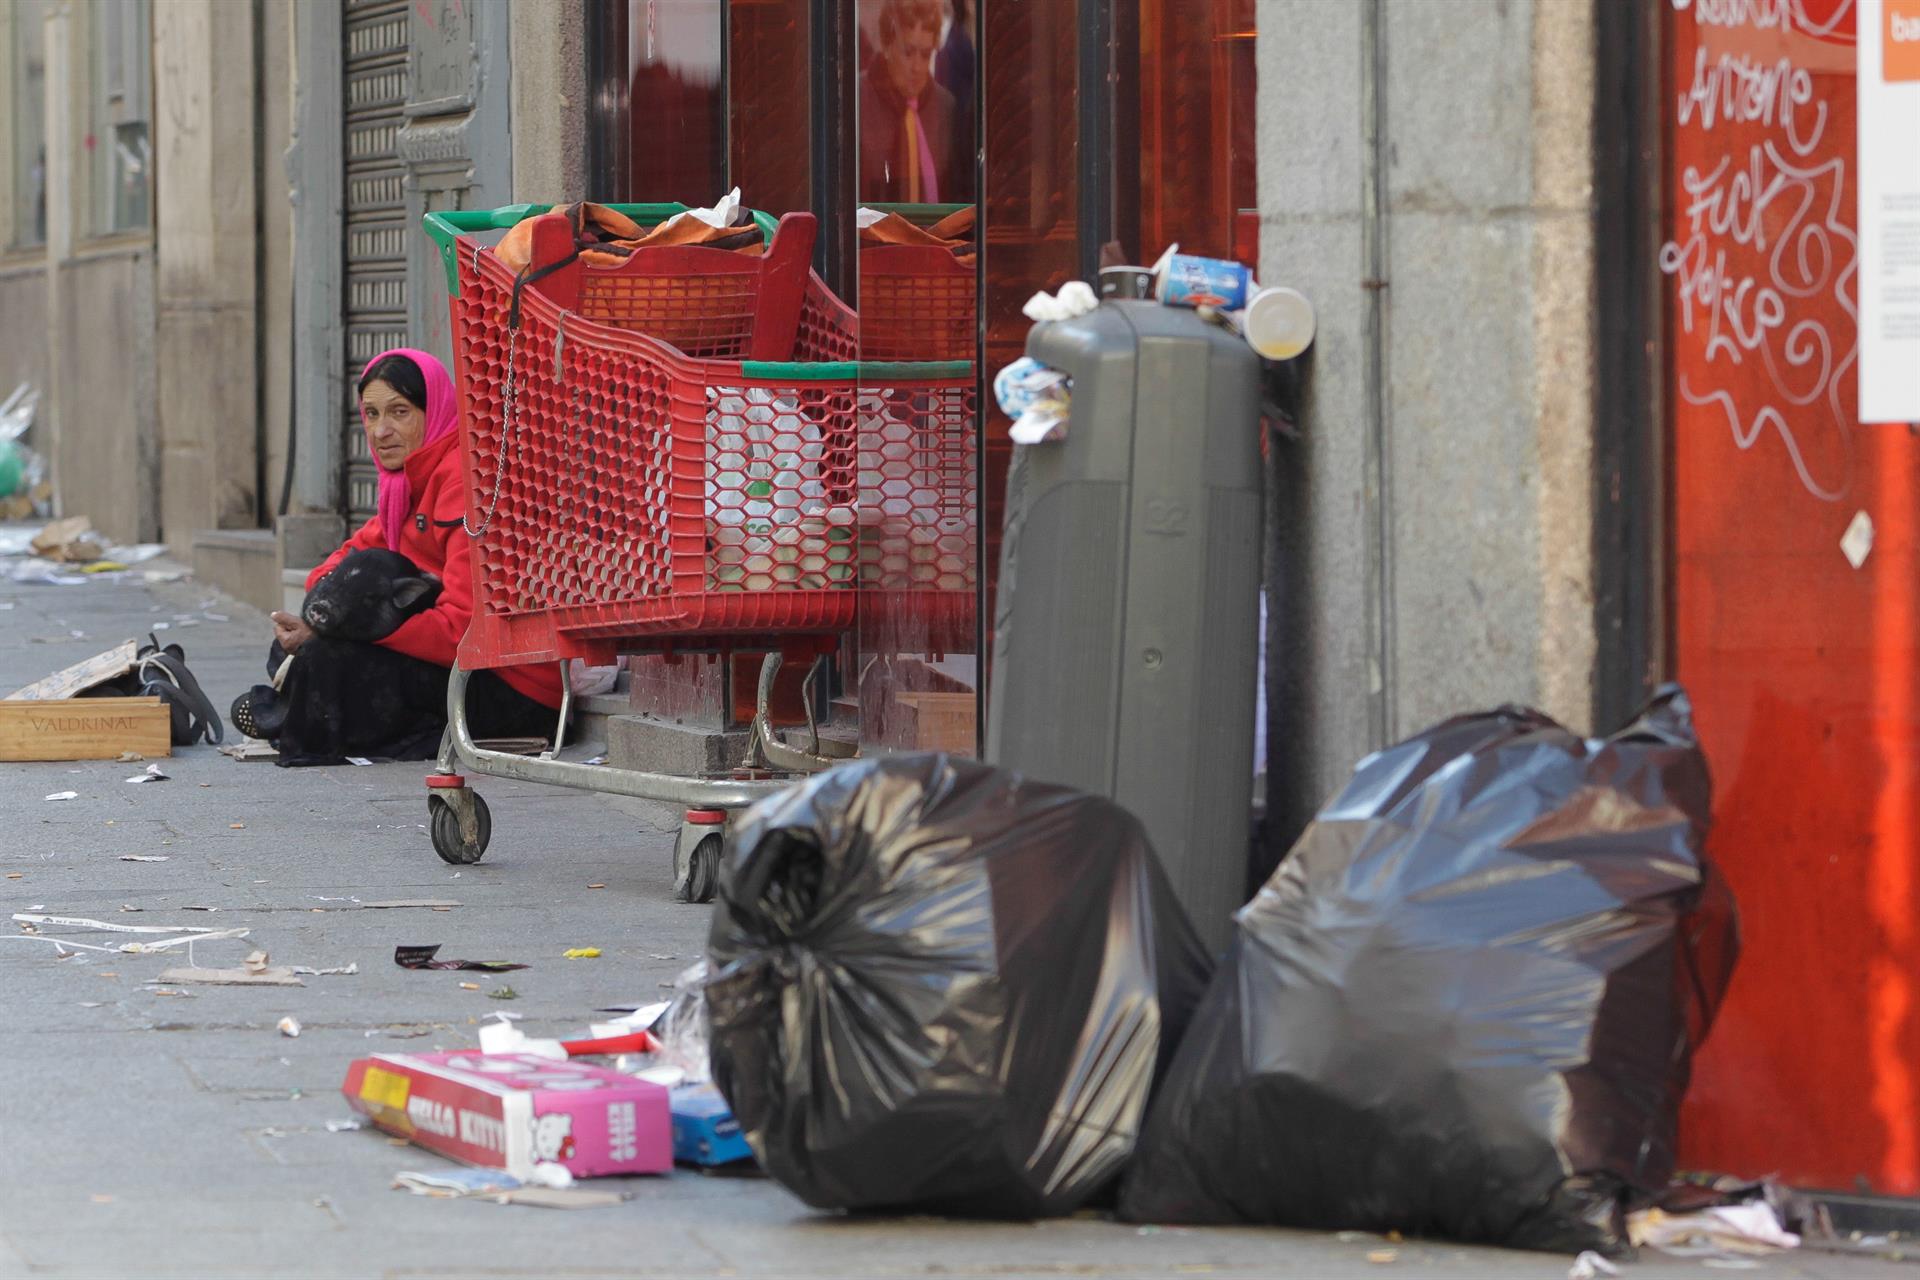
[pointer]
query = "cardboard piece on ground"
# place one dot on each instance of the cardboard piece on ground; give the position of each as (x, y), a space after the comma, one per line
(242, 977)
(81, 676)
(251, 749)
(71, 540)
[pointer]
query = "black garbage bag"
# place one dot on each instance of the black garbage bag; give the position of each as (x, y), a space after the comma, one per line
(939, 986)
(1466, 1003)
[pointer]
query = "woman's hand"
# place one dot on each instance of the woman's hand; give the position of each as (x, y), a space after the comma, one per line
(290, 631)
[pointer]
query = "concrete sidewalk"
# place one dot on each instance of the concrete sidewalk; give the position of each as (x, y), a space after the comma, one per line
(151, 1135)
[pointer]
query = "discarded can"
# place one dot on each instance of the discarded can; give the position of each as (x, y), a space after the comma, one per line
(1188, 281)
(1126, 282)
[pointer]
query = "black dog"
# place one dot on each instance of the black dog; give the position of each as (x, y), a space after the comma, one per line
(368, 595)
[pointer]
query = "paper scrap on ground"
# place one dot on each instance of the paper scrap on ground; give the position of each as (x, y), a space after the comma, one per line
(152, 774)
(230, 977)
(82, 922)
(143, 857)
(345, 1126)
(290, 1026)
(342, 971)
(1724, 1230)
(1590, 1266)
(422, 957)
(64, 795)
(449, 1183)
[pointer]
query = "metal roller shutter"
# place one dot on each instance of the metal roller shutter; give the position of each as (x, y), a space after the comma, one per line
(375, 47)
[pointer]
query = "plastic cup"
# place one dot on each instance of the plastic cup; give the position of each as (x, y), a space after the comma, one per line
(1278, 323)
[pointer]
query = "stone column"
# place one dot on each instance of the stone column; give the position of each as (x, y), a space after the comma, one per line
(204, 201)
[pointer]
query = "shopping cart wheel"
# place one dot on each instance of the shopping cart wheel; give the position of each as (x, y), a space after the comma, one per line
(696, 855)
(448, 841)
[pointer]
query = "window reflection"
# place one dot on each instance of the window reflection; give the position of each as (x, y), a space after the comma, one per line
(915, 142)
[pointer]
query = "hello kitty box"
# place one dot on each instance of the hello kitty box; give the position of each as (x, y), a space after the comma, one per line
(512, 1111)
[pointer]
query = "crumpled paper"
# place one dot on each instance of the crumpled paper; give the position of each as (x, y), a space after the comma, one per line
(1076, 298)
(1037, 398)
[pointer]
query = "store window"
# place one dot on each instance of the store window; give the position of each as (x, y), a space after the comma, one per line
(1029, 139)
(119, 136)
(29, 86)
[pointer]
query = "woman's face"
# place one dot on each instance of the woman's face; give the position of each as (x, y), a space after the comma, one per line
(910, 57)
(395, 425)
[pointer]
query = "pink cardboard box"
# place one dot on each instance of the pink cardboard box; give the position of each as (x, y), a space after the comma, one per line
(513, 1110)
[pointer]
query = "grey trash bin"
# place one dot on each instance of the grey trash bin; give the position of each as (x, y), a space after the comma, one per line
(1125, 629)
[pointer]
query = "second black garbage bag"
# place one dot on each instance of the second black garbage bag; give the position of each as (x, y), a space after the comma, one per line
(1466, 1003)
(938, 986)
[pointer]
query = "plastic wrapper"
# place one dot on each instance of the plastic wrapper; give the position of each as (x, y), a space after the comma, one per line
(681, 1028)
(938, 986)
(1466, 1003)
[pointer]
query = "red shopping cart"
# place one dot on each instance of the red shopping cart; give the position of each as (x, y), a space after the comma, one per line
(682, 452)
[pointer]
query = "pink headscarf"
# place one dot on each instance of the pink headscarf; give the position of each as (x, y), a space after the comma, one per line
(443, 415)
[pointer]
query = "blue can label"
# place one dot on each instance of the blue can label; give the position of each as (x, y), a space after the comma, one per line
(1205, 282)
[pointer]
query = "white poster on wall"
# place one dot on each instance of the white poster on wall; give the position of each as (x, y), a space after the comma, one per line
(1889, 185)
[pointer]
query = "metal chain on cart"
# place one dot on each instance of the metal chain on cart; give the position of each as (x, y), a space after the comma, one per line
(510, 409)
(509, 424)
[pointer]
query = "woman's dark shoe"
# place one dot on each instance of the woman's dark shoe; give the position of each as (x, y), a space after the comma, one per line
(259, 713)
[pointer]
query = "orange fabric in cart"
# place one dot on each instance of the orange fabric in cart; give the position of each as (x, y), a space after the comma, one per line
(1804, 670)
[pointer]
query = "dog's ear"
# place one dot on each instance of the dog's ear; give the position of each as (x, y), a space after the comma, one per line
(408, 592)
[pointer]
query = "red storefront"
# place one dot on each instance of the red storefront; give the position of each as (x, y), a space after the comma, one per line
(1797, 633)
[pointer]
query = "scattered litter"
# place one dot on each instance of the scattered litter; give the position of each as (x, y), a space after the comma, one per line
(289, 1026)
(82, 922)
(591, 1120)
(422, 957)
(236, 826)
(469, 986)
(503, 993)
(249, 750)
(199, 907)
(93, 1004)
(435, 904)
(169, 991)
(69, 541)
(345, 1126)
(450, 1184)
(1075, 298)
(152, 774)
(15, 875)
(344, 971)
(565, 1197)
(1590, 1266)
(360, 760)
(131, 757)
(549, 1174)
(1383, 1255)
(141, 857)
(582, 953)
(596, 886)
(1722, 1231)
(64, 795)
(253, 973)
(1038, 399)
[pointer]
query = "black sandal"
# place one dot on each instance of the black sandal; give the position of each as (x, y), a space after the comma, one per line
(259, 713)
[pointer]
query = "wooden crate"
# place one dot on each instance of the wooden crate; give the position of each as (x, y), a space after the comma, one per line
(942, 721)
(84, 728)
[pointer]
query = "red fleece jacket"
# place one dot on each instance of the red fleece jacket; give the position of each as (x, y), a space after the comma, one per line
(435, 541)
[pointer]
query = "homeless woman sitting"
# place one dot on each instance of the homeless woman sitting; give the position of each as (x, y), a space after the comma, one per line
(363, 672)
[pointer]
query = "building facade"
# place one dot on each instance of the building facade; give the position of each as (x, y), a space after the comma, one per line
(1540, 460)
